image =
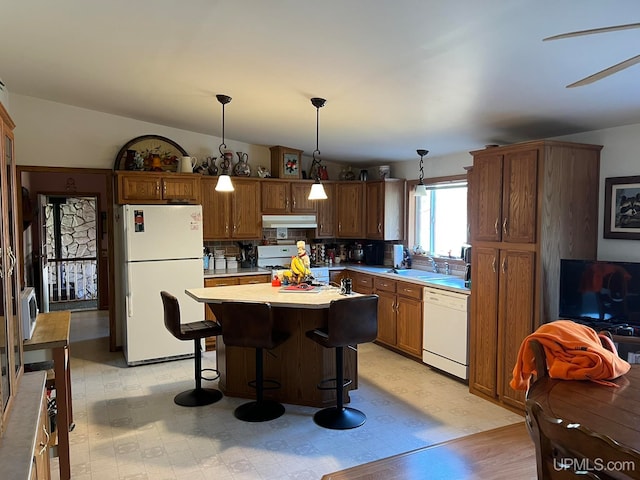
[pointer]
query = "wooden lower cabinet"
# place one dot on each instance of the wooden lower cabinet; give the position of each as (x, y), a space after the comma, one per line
(399, 316)
(362, 283)
(336, 276)
(210, 342)
(500, 321)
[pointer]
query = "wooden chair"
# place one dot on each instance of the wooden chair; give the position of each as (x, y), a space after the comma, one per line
(568, 450)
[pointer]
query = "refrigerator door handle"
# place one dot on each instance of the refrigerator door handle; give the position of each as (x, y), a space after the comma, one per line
(127, 297)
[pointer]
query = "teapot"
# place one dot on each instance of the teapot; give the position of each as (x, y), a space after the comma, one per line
(187, 164)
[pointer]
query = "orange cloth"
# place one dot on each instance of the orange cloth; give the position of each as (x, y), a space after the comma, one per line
(573, 352)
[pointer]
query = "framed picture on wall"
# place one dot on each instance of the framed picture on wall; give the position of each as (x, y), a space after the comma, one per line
(286, 162)
(622, 208)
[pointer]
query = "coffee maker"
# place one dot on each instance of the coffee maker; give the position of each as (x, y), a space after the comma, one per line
(466, 257)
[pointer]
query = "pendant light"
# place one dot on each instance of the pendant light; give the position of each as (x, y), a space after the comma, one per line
(421, 189)
(317, 190)
(224, 181)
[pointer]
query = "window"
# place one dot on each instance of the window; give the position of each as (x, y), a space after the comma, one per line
(440, 218)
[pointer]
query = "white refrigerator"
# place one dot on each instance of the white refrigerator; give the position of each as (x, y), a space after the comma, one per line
(162, 250)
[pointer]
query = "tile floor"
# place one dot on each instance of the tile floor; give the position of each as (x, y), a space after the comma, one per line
(128, 428)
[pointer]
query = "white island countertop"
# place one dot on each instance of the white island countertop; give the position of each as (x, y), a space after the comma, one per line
(319, 297)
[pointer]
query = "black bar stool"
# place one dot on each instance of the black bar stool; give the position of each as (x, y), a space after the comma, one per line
(351, 321)
(195, 331)
(250, 324)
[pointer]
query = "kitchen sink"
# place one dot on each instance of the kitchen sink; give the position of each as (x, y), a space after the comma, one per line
(454, 282)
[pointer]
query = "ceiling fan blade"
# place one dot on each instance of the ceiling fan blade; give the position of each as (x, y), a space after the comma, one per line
(606, 72)
(592, 31)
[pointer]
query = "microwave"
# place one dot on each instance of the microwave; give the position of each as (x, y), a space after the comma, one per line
(28, 312)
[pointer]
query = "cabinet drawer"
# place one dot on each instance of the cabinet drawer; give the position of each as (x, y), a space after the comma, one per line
(250, 279)
(220, 282)
(385, 284)
(410, 290)
(363, 281)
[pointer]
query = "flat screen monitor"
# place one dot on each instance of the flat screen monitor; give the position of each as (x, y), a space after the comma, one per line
(600, 291)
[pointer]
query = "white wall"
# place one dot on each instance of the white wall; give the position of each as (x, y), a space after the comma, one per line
(54, 134)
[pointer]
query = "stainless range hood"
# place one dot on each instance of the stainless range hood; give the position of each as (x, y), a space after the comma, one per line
(289, 221)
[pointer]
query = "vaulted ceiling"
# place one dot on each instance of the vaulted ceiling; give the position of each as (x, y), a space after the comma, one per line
(448, 76)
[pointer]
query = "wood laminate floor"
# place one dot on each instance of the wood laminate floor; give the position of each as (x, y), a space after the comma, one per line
(502, 453)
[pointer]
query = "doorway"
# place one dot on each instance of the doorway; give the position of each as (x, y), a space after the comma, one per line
(81, 274)
(68, 256)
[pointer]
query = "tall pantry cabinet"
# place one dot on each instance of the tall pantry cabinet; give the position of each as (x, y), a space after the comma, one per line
(10, 330)
(532, 204)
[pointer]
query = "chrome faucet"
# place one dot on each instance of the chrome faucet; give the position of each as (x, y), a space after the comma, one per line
(447, 268)
(434, 265)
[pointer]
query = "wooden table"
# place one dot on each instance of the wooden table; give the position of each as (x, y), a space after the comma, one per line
(299, 363)
(614, 412)
(52, 332)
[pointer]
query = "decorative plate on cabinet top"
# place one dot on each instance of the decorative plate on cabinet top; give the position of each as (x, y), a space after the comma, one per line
(158, 154)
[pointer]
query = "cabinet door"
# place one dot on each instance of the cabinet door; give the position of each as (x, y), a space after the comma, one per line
(138, 187)
(216, 211)
(350, 209)
(300, 202)
(336, 276)
(246, 215)
(487, 178)
(386, 318)
(375, 210)
(362, 283)
(516, 317)
(409, 325)
(519, 201)
(326, 213)
(178, 187)
(41, 455)
(484, 321)
(275, 197)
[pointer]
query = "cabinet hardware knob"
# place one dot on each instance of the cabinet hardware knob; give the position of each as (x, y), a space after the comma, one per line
(504, 265)
(495, 225)
(493, 265)
(504, 225)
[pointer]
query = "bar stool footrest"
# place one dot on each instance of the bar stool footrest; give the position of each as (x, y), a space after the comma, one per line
(323, 384)
(267, 384)
(215, 377)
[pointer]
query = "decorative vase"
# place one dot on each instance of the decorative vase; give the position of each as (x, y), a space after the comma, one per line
(242, 168)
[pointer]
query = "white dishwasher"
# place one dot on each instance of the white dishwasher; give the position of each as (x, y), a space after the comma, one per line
(445, 338)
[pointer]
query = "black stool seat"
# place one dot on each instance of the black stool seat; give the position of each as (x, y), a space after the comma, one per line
(250, 324)
(195, 331)
(351, 321)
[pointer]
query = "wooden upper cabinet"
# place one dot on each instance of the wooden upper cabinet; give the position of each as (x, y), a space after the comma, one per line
(231, 215)
(151, 187)
(216, 211)
(349, 209)
(385, 209)
(245, 209)
(281, 197)
(326, 212)
(506, 189)
(519, 197)
(487, 178)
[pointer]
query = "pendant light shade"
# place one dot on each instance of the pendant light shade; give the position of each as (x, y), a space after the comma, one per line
(421, 189)
(317, 190)
(224, 184)
(224, 181)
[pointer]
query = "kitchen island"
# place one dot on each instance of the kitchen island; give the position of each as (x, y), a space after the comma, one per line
(299, 363)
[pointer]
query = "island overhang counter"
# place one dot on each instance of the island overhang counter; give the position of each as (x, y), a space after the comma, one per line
(299, 364)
